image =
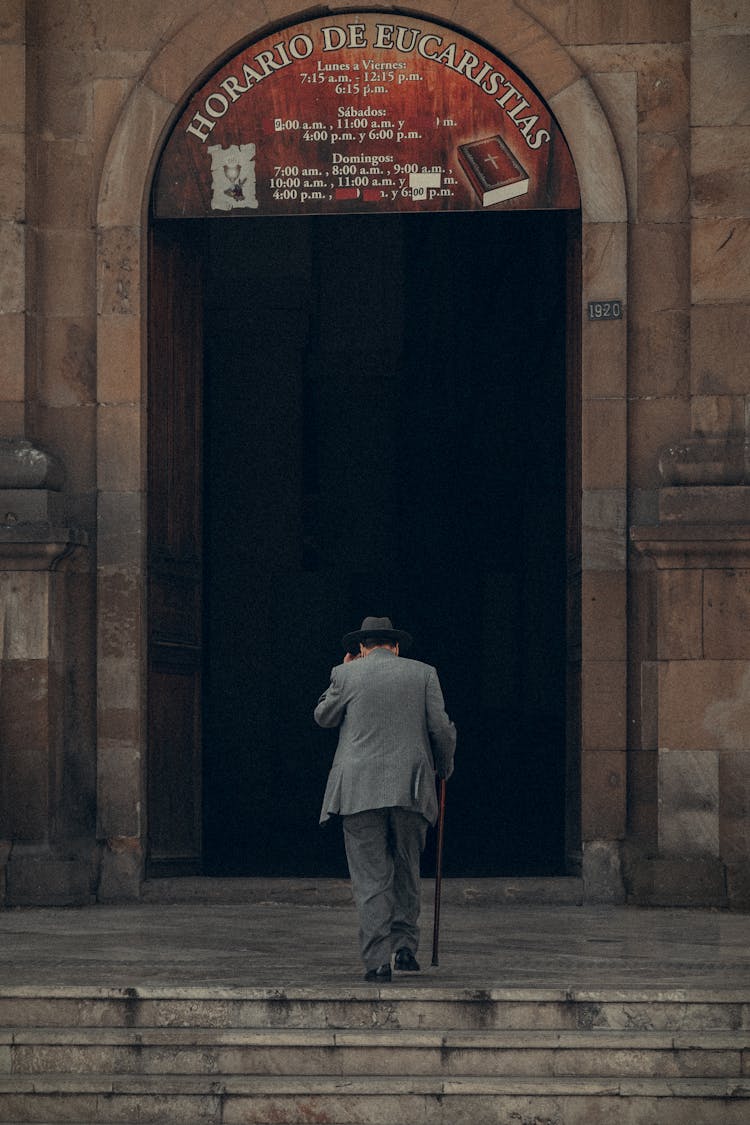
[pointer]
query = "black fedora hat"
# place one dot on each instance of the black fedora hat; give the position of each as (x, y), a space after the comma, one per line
(376, 627)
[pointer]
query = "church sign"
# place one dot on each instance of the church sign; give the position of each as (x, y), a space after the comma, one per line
(364, 113)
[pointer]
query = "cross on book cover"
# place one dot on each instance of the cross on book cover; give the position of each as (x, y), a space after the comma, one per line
(493, 170)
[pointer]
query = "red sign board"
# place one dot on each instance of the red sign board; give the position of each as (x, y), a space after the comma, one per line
(364, 112)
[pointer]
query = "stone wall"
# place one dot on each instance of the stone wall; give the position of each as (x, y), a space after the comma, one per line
(656, 94)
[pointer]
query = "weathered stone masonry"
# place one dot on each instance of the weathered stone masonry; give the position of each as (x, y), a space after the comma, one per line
(653, 101)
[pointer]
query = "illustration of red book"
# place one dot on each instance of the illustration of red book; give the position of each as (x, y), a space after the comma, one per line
(493, 170)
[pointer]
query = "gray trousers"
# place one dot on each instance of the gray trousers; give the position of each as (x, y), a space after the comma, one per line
(383, 848)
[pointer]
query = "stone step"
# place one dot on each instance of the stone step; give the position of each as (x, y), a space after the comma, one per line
(173, 1051)
(380, 1100)
(396, 1006)
(554, 890)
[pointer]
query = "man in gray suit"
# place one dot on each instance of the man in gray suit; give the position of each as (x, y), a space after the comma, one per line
(394, 737)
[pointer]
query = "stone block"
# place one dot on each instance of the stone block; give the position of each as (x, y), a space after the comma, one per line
(603, 539)
(659, 362)
(717, 415)
(24, 710)
(66, 272)
(12, 418)
(70, 433)
(705, 504)
(680, 614)
(64, 195)
(649, 705)
(12, 21)
(64, 93)
(121, 529)
(592, 22)
(126, 175)
(720, 80)
(663, 178)
(120, 789)
(604, 453)
(689, 802)
(653, 425)
(121, 609)
(32, 505)
(25, 788)
(719, 261)
(41, 879)
(13, 277)
(544, 62)
(699, 462)
(603, 793)
(678, 882)
(654, 290)
(118, 684)
(604, 348)
(68, 25)
(119, 448)
(718, 358)
(726, 614)
(617, 94)
(704, 705)
(593, 149)
(67, 361)
(120, 726)
(605, 262)
(121, 870)
(127, 30)
(738, 885)
(603, 614)
(720, 165)
(199, 44)
(664, 88)
(643, 808)
(720, 17)
(12, 357)
(118, 366)
(25, 619)
(81, 515)
(602, 872)
(118, 285)
(12, 177)
(734, 806)
(13, 86)
(110, 96)
(603, 705)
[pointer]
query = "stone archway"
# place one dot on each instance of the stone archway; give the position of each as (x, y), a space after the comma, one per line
(122, 248)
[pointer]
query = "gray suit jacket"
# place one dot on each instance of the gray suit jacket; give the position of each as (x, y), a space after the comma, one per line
(394, 735)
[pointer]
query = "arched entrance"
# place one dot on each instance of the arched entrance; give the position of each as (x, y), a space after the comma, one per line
(358, 412)
(595, 821)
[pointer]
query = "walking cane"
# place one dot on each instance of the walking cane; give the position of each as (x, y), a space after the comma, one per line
(438, 870)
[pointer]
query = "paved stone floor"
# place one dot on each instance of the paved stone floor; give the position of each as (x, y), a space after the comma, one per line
(276, 944)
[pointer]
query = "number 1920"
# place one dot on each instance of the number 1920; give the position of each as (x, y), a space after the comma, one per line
(605, 310)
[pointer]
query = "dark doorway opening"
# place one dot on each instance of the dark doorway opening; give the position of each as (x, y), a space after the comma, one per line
(384, 432)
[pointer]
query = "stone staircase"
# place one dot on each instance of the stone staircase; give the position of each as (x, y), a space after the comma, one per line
(399, 1055)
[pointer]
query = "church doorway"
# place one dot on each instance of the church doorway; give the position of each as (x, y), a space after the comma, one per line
(368, 416)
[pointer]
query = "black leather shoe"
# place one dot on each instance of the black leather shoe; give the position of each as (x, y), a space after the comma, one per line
(380, 975)
(405, 961)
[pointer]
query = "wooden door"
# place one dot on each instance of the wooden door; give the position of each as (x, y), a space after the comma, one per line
(174, 550)
(573, 543)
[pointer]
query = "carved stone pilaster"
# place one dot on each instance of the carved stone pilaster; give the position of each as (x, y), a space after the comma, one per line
(695, 672)
(41, 863)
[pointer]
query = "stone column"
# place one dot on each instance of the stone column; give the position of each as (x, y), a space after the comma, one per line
(695, 693)
(13, 227)
(45, 857)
